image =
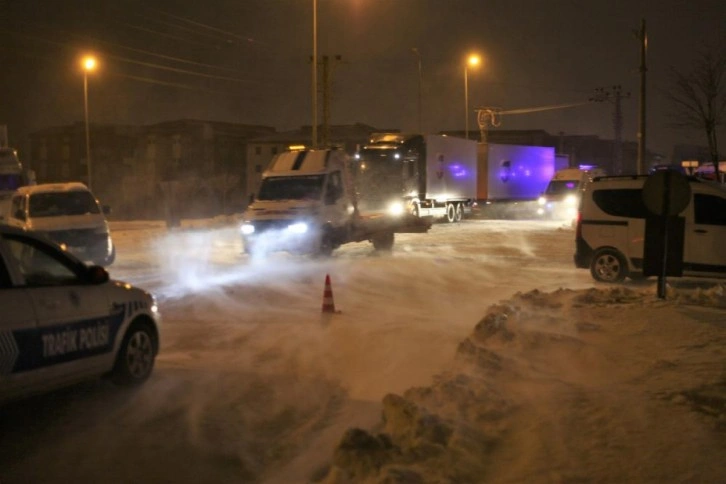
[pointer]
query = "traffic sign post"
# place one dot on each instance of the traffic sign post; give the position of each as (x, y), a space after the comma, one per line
(665, 194)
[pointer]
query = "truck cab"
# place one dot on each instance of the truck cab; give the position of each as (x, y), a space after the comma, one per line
(307, 204)
(303, 204)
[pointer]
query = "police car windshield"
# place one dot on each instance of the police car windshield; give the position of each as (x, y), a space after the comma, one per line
(62, 203)
(308, 187)
(558, 187)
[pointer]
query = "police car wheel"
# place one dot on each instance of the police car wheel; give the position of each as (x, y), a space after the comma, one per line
(608, 265)
(135, 359)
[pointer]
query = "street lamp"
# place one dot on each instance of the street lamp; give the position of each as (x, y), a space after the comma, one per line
(89, 64)
(473, 60)
(315, 76)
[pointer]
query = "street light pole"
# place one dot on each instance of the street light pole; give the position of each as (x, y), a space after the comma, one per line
(473, 60)
(466, 101)
(315, 76)
(89, 63)
(420, 82)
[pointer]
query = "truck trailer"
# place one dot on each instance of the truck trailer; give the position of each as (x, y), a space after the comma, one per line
(510, 178)
(423, 175)
(307, 203)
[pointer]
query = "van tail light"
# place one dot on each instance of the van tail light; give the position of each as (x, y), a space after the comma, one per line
(578, 227)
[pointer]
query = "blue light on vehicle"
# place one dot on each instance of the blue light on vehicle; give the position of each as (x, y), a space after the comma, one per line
(458, 171)
(247, 229)
(298, 228)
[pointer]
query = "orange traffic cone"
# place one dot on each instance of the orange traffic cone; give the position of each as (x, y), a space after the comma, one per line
(328, 304)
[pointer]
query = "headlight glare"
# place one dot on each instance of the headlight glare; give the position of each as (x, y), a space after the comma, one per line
(298, 228)
(395, 208)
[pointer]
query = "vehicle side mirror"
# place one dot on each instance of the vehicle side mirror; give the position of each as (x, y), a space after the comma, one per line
(106, 209)
(20, 214)
(97, 275)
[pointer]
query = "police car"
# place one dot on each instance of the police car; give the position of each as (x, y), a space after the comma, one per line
(62, 321)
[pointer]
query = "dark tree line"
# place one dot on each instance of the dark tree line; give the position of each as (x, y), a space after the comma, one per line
(698, 96)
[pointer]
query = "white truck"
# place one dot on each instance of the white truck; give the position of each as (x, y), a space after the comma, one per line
(12, 176)
(307, 203)
(425, 175)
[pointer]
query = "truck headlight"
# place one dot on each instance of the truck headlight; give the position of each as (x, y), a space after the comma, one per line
(571, 200)
(247, 229)
(395, 208)
(298, 228)
(541, 200)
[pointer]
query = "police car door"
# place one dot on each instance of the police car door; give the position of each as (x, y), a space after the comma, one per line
(66, 345)
(17, 320)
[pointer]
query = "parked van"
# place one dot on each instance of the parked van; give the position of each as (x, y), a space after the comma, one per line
(68, 214)
(562, 195)
(610, 230)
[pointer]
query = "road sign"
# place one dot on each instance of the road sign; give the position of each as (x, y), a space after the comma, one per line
(666, 192)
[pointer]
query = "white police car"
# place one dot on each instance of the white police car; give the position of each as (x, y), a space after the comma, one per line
(62, 321)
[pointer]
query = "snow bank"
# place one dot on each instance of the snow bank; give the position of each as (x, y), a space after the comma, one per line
(605, 385)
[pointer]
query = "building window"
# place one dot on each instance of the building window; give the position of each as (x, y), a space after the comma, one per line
(258, 150)
(258, 168)
(273, 150)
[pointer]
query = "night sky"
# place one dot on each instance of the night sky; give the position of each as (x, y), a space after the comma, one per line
(247, 61)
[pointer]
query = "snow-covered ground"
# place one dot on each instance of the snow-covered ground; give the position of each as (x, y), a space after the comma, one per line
(473, 353)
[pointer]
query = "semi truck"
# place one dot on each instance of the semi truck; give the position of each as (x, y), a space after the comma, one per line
(425, 175)
(307, 203)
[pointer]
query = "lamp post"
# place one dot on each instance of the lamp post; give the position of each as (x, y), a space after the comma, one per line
(89, 64)
(420, 81)
(315, 76)
(473, 61)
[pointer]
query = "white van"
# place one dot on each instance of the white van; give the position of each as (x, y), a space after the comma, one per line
(562, 195)
(610, 230)
(68, 214)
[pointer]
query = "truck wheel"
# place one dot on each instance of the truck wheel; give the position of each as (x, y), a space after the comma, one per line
(608, 265)
(325, 249)
(450, 213)
(459, 212)
(383, 241)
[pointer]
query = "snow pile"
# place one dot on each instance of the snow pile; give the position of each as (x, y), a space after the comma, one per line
(596, 384)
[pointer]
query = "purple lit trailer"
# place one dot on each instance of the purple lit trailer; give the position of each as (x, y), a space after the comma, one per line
(451, 166)
(513, 172)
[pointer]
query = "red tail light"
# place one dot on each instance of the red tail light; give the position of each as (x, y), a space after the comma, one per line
(578, 227)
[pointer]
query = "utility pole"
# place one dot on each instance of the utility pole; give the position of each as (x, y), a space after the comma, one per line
(642, 36)
(327, 82)
(420, 82)
(314, 127)
(615, 97)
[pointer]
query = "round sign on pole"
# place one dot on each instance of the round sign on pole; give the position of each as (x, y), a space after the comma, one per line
(666, 193)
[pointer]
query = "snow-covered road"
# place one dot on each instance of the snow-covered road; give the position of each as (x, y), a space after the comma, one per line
(254, 383)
